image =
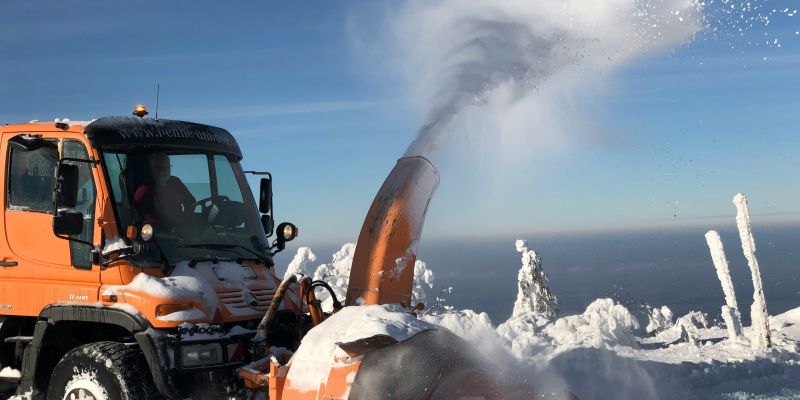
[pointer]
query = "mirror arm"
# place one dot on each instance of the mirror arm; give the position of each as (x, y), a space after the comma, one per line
(278, 245)
(71, 239)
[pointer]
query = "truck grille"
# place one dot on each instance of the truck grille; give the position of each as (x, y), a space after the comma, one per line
(236, 299)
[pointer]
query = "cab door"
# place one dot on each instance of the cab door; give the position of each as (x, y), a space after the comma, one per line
(38, 268)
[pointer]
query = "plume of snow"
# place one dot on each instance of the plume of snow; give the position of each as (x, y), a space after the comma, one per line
(758, 310)
(525, 335)
(471, 325)
(462, 55)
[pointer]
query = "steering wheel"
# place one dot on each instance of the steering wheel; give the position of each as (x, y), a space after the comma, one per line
(210, 199)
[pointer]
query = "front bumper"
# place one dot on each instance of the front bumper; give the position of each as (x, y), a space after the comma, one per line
(177, 377)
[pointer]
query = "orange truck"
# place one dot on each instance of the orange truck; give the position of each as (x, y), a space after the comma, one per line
(101, 297)
(135, 263)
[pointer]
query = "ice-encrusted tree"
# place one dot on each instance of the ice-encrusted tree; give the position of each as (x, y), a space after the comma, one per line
(423, 276)
(758, 310)
(730, 311)
(336, 274)
(659, 320)
(300, 262)
(534, 294)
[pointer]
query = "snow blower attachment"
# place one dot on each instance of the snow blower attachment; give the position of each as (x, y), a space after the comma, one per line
(383, 264)
(376, 347)
(382, 273)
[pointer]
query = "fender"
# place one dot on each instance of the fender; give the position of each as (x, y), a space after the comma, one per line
(52, 314)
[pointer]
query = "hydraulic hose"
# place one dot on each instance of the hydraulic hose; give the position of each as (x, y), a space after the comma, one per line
(266, 322)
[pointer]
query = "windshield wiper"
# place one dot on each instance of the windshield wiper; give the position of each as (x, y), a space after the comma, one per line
(212, 259)
(226, 246)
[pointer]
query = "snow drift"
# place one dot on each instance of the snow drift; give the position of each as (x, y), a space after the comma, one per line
(595, 355)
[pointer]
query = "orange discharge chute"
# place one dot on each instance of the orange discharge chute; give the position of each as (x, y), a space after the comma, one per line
(383, 263)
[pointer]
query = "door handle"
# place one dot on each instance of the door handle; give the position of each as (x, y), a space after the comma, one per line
(8, 263)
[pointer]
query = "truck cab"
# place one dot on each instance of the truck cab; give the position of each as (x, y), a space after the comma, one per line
(121, 280)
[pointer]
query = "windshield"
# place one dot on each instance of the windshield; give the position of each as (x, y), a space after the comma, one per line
(199, 205)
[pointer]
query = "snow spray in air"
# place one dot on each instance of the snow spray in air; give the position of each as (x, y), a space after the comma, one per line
(460, 56)
(464, 56)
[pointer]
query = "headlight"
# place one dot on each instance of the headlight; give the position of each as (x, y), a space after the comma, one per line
(201, 354)
(146, 232)
(287, 231)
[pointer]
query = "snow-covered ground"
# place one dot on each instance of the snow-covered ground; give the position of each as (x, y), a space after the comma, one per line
(606, 352)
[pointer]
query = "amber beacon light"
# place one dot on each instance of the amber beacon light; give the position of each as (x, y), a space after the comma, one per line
(140, 111)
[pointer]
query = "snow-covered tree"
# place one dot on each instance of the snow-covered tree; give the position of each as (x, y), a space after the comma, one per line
(423, 276)
(533, 295)
(730, 311)
(689, 326)
(659, 320)
(758, 310)
(336, 274)
(300, 262)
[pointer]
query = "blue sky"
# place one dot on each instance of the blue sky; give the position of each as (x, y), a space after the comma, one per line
(691, 127)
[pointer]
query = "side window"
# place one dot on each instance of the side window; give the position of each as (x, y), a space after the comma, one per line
(31, 178)
(116, 165)
(81, 252)
(227, 185)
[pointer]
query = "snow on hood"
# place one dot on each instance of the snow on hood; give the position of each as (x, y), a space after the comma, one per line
(187, 282)
(184, 282)
(312, 362)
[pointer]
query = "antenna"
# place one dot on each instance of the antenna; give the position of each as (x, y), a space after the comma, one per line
(158, 92)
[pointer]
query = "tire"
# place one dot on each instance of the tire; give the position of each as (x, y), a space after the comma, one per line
(102, 371)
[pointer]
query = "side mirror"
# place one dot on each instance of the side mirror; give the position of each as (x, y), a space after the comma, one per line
(268, 223)
(68, 223)
(265, 196)
(66, 194)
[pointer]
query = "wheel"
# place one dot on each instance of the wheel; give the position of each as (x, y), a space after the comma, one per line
(102, 371)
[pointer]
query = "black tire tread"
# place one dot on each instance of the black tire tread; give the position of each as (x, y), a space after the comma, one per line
(127, 361)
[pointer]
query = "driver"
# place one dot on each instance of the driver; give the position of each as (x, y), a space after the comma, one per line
(163, 198)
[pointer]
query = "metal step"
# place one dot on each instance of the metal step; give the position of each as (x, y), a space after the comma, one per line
(19, 339)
